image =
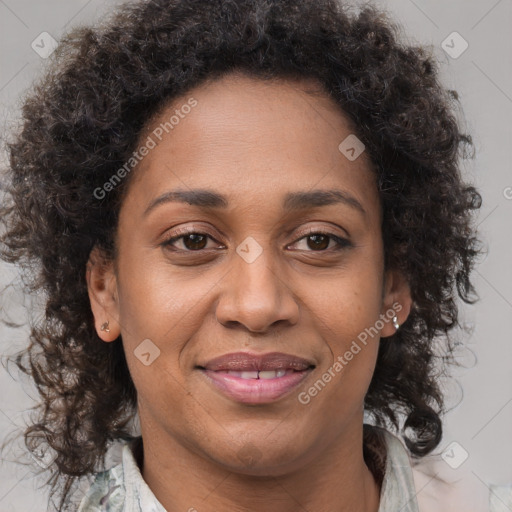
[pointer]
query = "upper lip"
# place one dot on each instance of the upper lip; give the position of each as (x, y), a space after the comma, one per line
(244, 361)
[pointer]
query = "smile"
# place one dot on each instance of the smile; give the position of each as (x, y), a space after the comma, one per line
(256, 378)
(255, 387)
(264, 374)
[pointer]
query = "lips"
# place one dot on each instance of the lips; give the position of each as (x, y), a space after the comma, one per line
(245, 362)
(256, 378)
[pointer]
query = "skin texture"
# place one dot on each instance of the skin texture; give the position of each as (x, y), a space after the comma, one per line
(254, 142)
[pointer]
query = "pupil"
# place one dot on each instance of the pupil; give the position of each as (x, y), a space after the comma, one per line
(193, 241)
(320, 241)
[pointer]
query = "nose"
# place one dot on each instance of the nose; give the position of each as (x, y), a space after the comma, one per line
(255, 296)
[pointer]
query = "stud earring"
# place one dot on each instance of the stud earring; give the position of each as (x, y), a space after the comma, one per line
(104, 327)
(396, 325)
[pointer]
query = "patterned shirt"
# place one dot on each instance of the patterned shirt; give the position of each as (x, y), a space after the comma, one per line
(122, 488)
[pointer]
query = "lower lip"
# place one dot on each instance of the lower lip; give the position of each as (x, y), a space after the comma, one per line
(255, 391)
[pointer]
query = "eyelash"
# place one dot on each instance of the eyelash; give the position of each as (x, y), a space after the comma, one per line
(343, 243)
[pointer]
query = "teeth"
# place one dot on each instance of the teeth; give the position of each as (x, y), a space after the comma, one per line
(266, 374)
(270, 374)
(248, 375)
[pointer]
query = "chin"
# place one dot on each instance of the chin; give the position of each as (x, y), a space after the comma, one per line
(258, 458)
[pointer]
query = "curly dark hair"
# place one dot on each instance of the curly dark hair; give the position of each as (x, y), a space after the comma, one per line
(82, 121)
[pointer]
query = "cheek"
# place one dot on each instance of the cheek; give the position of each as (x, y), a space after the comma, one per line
(349, 304)
(158, 315)
(351, 338)
(346, 312)
(350, 356)
(155, 300)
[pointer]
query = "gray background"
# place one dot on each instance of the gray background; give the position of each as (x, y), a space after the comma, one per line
(481, 420)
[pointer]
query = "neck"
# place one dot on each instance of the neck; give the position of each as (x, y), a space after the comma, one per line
(336, 479)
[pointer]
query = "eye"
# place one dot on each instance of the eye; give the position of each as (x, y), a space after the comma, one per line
(190, 240)
(194, 241)
(320, 241)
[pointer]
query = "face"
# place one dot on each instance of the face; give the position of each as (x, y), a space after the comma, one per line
(246, 230)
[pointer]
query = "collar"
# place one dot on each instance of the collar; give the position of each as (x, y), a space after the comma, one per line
(122, 488)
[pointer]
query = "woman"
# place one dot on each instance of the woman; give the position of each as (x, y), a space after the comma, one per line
(250, 225)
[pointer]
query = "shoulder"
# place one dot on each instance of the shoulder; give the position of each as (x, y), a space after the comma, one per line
(398, 490)
(121, 488)
(430, 482)
(106, 493)
(441, 488)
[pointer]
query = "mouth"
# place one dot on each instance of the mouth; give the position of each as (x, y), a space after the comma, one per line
(256, 379)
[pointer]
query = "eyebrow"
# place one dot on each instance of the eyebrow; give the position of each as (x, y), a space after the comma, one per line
(292, 201)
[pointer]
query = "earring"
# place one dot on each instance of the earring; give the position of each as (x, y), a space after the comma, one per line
(396, 325)
(104, 327)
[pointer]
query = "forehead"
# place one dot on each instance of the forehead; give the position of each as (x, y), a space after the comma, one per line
(250, 137)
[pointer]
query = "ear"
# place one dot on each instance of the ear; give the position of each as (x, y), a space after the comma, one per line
(102, 290)
(396, 301)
